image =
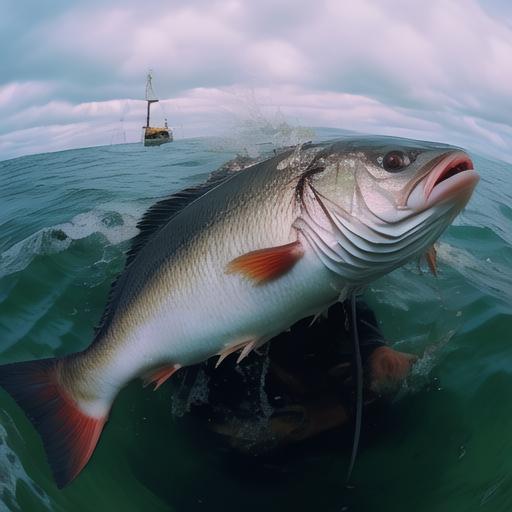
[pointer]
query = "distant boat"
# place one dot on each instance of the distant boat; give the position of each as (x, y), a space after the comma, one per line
(153, 135)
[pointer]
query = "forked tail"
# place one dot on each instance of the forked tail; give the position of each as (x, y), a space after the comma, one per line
(69, 434)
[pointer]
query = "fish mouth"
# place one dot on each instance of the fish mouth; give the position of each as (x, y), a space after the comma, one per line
(452, 178)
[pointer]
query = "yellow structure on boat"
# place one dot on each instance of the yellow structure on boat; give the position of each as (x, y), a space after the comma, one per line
(153, 135)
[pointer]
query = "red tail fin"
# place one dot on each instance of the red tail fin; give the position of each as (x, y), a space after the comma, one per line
(69, 435)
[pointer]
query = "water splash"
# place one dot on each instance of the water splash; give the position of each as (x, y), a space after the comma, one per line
(481, 273)
(256, 130)
(108, 220)
(197, 394)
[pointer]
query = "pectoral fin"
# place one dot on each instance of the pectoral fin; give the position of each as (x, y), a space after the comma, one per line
(265, 265)
(431, 257)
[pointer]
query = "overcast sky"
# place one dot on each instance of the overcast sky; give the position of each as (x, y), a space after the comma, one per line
(73, 73)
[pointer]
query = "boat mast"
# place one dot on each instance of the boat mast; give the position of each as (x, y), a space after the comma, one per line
(150, 95)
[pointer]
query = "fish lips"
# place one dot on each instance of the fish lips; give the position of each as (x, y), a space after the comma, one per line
(452, 179)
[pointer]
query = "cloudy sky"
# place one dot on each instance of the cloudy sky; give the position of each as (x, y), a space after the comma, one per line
(73, 73)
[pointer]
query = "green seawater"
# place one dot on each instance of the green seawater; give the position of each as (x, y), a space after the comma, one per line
(444, 443)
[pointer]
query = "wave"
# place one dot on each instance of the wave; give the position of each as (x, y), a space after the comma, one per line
(115, 222)
(490, 277)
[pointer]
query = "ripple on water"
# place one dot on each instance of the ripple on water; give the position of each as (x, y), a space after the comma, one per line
(12, 473)
(65, 219)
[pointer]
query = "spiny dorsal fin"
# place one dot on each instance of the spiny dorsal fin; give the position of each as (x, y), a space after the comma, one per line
(160, 213)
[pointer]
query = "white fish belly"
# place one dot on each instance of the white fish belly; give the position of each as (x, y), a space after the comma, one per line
(227, 310)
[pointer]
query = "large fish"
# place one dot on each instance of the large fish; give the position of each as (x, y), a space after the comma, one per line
(265, 247)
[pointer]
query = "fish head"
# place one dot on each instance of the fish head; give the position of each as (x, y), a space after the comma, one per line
(379, 202)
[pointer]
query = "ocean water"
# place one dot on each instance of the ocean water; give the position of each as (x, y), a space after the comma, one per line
(443, 443)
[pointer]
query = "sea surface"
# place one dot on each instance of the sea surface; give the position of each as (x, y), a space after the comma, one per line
(443, 443)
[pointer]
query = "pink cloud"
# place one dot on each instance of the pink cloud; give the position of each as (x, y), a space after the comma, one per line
(436, 70)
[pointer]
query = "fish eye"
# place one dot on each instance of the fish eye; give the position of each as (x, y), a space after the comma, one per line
(395, 161)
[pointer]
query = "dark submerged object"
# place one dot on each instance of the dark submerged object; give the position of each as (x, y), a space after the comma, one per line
(303, 384)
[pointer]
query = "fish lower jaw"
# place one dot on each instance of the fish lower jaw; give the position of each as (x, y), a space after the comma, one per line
(351, 278)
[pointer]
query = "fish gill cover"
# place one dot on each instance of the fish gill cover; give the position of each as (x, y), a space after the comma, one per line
(66, 220)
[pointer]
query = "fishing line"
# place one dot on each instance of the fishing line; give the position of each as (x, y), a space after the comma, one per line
(359, 386)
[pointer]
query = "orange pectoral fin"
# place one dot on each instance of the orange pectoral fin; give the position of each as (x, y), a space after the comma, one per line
(431, 257)
(265, 265)
(160, 375)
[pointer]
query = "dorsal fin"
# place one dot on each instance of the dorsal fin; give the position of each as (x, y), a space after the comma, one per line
(160, 213)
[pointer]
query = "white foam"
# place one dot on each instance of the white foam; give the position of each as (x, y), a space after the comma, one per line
(96, 221)
(116, 222)
(20, 255)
